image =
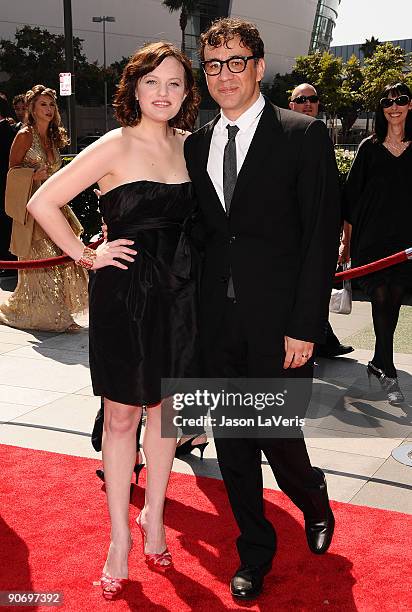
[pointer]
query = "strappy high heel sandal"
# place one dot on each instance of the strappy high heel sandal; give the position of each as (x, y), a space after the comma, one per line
(112, 587)
(159, 562)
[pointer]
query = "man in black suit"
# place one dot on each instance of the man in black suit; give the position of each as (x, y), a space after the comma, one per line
(305, 99)
(7, 134)
(19, 107)
(267, 185)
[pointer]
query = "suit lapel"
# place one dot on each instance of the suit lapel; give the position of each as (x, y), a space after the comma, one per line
(263, 144)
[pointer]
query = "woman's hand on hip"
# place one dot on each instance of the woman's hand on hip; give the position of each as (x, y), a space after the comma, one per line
(108, 254)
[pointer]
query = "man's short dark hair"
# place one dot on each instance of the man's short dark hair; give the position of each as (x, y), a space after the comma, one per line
(19, 98)
(225, 29)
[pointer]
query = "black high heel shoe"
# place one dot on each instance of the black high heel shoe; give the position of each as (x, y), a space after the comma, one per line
(389, 385)
(187, 447)
(137, 469)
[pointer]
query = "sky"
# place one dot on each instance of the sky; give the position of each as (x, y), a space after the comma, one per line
(361, 19)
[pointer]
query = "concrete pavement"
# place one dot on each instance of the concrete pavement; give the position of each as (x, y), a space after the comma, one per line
(46, 402)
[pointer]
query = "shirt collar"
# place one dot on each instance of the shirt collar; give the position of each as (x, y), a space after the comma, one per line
(246, 119)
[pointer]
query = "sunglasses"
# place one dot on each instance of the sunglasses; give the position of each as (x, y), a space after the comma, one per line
(302, 99)
(399, 101)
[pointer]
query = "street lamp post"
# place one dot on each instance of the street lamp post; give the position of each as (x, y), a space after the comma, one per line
(71, 100)
(103, 20)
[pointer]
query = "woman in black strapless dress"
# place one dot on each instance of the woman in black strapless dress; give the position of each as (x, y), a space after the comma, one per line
(151, 306)
(144, 291)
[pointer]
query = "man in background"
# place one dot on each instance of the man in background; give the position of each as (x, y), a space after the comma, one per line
(19, 107)
(305, 99)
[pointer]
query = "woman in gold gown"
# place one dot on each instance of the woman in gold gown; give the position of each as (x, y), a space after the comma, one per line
(45, 298)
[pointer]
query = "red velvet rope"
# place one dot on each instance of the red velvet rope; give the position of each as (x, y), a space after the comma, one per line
(42, 263)
(380, 264)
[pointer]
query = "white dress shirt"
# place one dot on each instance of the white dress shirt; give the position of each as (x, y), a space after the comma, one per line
(247, 124)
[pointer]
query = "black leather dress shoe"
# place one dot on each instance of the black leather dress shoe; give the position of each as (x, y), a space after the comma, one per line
(323, 350)
(247, 583)
(319, 530)
(319, 534)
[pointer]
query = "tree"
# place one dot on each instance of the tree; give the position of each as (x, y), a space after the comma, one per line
(113, 74)
(185, 7)
(369, 46)
(91, 86)
(408, 77)
(351, 100)
(281, 87)
(385, 66)
(324, 72)
(37, 56)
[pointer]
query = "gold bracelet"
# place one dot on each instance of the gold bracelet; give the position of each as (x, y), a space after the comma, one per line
(87, 258)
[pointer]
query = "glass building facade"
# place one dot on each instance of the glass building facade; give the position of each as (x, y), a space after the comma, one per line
(208, 11)
(346, 51)
(325, 21)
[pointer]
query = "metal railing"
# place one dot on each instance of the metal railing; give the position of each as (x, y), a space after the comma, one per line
(352, 148)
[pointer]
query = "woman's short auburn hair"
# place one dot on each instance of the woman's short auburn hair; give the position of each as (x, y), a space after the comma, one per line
(145, 60)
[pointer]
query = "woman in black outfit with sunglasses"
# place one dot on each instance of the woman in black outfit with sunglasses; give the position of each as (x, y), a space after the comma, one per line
(377, 203)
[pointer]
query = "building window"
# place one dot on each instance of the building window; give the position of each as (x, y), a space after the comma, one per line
(325, 21)
(198, 22)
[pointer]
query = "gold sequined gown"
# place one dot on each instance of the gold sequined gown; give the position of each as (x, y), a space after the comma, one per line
(46, 298)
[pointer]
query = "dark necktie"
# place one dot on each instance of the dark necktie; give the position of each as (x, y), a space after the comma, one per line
(229, 165)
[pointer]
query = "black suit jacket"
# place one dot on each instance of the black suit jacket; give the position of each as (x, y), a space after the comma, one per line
(280, 238)
(7, 134)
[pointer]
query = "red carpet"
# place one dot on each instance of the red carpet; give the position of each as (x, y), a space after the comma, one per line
(54, 533)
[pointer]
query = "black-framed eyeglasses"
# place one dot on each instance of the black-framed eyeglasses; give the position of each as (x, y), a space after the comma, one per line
(235, 64)
(402, 100)
(302, 99)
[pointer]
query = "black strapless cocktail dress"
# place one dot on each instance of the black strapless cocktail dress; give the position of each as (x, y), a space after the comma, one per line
(143, 320)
